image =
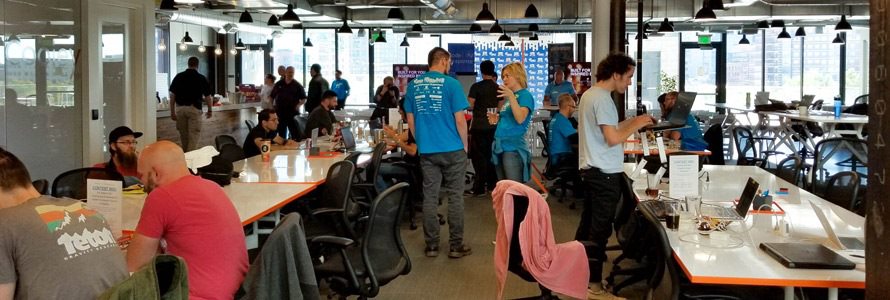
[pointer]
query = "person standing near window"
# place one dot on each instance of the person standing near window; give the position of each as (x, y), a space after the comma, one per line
(266, 92)
(341, 87)
(317, 86)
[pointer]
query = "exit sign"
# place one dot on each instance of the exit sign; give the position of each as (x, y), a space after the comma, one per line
(704, 39)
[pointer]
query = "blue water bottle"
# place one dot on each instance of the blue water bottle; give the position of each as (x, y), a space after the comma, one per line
(837, 107)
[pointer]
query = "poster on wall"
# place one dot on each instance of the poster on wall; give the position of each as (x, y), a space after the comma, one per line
(536, 68)
(580, 76)
(560, 55)
(403, 74)
(462, 58)
(533, 55)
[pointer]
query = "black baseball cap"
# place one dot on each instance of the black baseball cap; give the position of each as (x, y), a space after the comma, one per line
(122, 131)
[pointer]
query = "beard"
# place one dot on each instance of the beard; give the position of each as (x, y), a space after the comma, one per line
(127, 160)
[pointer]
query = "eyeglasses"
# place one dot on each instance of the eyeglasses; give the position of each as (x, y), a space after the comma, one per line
(128, 143)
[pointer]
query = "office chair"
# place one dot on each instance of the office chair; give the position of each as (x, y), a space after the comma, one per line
(565, 174)
(41, 185)
(334, 210)
(224, 139)
(366, 188)
(361, 266)
(514, 264)
(250, 124)
(836, 155)
(746, 146)
(790, 169)
(73, 183)
(843, 189)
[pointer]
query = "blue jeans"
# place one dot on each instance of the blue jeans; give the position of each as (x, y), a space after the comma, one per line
(445, 170)
(510, 166)
(389, 172)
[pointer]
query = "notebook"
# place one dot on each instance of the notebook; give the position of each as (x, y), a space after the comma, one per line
(806, 256)
(741, 210)
(679, 114)
(844, 243)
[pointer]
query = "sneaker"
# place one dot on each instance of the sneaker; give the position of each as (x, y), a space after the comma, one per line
(602, 295)
(431, 251)
(461, 251)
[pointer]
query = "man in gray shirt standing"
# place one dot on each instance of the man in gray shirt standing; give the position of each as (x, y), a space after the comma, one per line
(601, 157)
(51, 248)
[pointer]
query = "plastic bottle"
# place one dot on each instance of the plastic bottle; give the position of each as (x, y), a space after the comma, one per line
(748, 99)
(837, 107)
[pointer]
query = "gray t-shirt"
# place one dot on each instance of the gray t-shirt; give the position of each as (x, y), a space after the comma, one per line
(597, 109)
(54, 248)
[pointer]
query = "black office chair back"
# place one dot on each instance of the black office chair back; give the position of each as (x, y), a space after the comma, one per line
(863, 99)
(842, 189)
(514, 264)
(374, 166)
(817, 105)
(41, 185)
(224, 139)
(789, 169)
(301, 128)
(661, 287)
(250, 124)
(745, 146)
(231, 152)
(383, 251)
(353, 157)
(836, 155)
(627, 205)
(546, 142)
(337, 186)
(73, 184)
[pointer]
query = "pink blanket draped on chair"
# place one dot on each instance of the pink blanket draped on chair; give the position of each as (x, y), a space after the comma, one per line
(562, 268)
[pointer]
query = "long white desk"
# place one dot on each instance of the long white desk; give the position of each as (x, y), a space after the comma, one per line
(823, 118)
(286, 166)
(747, 264)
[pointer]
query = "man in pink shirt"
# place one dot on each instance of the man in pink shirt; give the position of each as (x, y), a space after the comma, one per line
(196, 220)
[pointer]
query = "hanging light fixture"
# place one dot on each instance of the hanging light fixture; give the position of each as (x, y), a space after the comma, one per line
(395, 14)
(239, 45)
(475, 28)
(531, 12)
(183, 46)
(485, 16)
(361, 32)
(504, 38)
(534, 37)
(843, 25)
(233, 51)
(161, 46)
(289, 18)
(838, 39)
(345, 27)
(705, 13)
(380, 38)
(245, 17)
(404, 42)
(307, 43)
(716, 4)
(167, 5)
(763, 24)
(273, 21)
(417, 28)
(185, 40)
(641, 34)
(218, 51)
(784, 34)
(744, 40)
(496, 28)
(222, 30)
(800, 32)
(201, 48)
(510, 44)
(666, 26)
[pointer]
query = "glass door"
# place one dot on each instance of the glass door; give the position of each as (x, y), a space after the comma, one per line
(114, 78)
(700, 72)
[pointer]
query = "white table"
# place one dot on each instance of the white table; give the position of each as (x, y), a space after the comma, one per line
(823, 118)
(747, 264)
(733, 120)
(286, 166)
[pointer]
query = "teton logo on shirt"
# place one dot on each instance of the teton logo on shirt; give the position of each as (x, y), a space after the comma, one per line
(78, 229)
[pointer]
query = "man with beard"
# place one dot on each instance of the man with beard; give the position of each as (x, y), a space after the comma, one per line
(122, 145)
(195, 218)
(322, 117)
(317, 86)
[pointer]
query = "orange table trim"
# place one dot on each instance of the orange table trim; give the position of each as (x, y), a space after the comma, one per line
(279, 205)
(768, 282)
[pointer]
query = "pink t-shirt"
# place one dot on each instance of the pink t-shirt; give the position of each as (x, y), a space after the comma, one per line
(200, 224)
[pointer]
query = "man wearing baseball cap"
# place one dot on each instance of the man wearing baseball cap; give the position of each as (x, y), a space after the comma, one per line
(122, 145)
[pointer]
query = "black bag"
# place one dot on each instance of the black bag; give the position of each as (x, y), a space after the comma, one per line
(219, 170)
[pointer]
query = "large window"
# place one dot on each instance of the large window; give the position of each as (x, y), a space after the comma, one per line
(322, 53)
(822, 65)
(287, 50)
(661, 67)
(420, 48)
(857, 64)
(386, 55)
(744, 66)
(782, 65)
(353, 51)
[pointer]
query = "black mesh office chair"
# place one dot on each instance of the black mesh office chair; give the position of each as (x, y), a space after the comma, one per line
(862, 99)
(360, 267)
(41, 185)
(746, 145)
(843, 189)
(565, 174)
(250, 124)
(634, 241)
(224, 139)
(789, 169)
(514, 264)
(836, 155)
(73, 184)
(366, 188)
(231, 152)
(334, 210)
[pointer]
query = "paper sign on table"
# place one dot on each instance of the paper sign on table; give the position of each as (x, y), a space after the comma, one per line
(684, 176)
(105, 197)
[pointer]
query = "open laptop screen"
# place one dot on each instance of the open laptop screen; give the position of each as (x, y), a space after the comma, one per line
(747, 197)
(348, 138)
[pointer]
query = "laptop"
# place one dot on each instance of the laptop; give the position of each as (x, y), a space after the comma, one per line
(761, 98)
(844, 243)
(806, 256)
(678, 116)
(741, 210)
(348, 139)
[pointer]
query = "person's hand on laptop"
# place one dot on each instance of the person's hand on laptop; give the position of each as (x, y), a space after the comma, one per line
(643, 121)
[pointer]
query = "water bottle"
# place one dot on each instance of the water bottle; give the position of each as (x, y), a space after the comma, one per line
(748, 99)
(837, 107)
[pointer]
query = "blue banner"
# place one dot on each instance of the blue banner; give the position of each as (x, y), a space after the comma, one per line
(462, 58)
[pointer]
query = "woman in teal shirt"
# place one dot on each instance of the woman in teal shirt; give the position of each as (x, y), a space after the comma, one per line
(510, 153)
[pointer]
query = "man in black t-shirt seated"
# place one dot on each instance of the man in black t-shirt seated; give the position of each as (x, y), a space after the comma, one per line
(266, 131)
(321, 117)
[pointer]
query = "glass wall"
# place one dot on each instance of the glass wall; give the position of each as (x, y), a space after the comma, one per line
(420, 48)
(386, 55)
(661, 68)
(822, 67)
(38, 107)
(744, 65)
(322, 52)
(782, 65)
(354, 58)
(287, 51)
(857, 64)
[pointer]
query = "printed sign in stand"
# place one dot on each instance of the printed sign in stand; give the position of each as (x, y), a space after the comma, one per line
(105, 197)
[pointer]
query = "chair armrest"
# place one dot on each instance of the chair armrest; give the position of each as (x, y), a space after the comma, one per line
(321, 211)
(332, 240)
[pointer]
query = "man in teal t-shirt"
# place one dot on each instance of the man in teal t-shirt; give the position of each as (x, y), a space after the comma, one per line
(558, 87)
(435, 105)
(562, 134)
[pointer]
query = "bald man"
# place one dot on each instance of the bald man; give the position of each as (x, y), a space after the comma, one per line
(196, 220)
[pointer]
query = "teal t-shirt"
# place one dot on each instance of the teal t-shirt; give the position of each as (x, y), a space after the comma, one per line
(433, 98)
(507, 125)
(560, 130)
(554, 90)
(341, 87)
(691, 137)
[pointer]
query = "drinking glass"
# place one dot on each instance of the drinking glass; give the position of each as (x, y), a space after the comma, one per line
(652, 187)
(492, 114)
(672, 215)
(693, 205)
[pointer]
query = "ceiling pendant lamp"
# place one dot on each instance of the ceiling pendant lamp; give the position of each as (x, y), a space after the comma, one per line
(167, 5)
(183, 46)
(417, 28)
(800, 32)
(395, 14)
(245, 17)
(289, 18)
(531, 12)
(485, 16)
(380, 38)
(744, 40)
(534, 27)
(240, 45)
(716, 4)
(843, 25)
(475, 28)
(201, 47)
(504, 38)
(705, 13)
(185, 40)
(838, 39)
(162, 46)
(404, 42)
(784, 34)
(307, 43)
(233, 51)
(666, 26)
(273, 21)
(496, 28)
(643, 34)
(344, 28)
(218, 50)
(510, 44)
(361, 32)
(763, 24)
(534, 37)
